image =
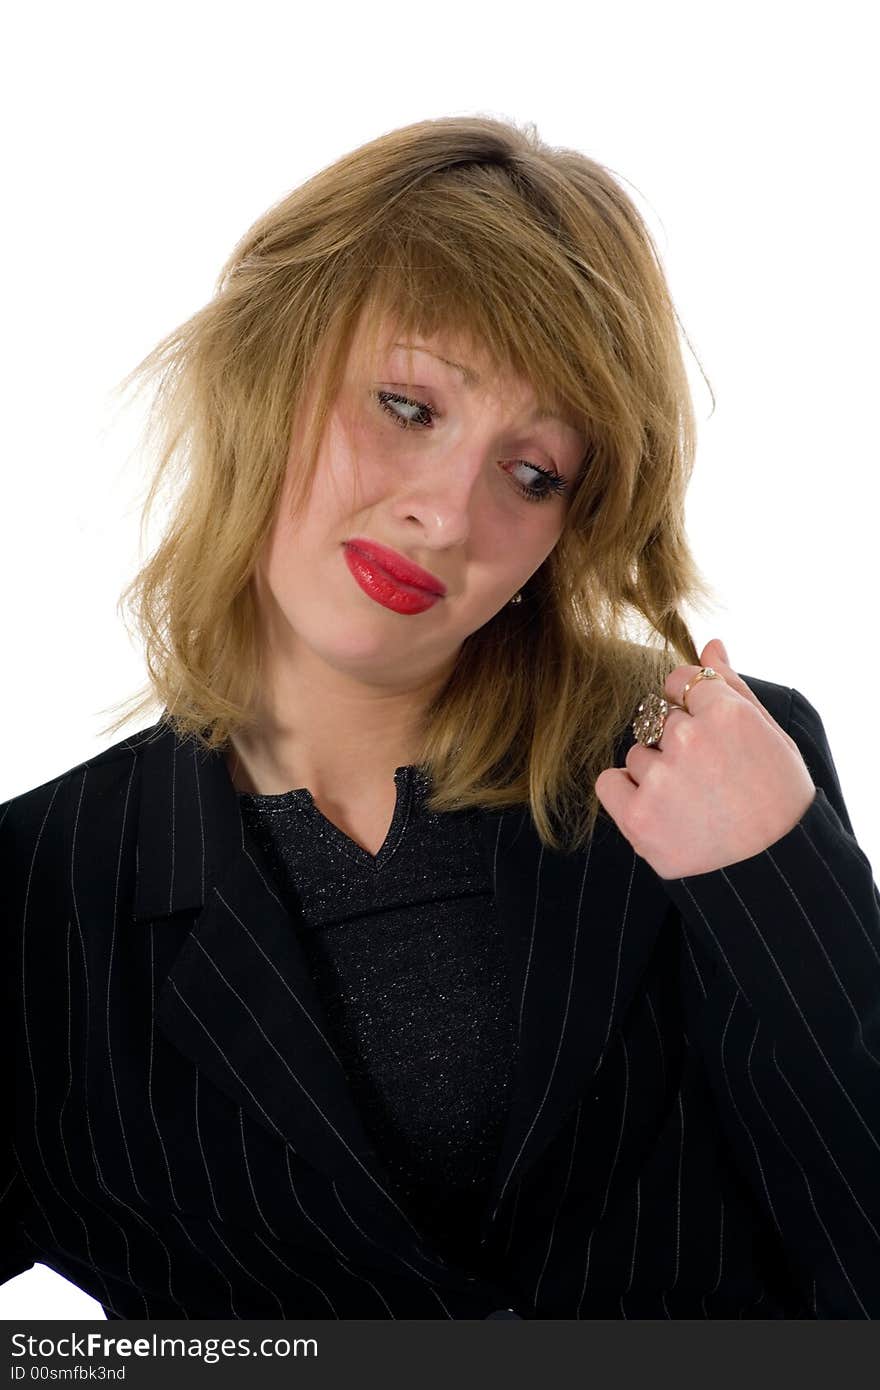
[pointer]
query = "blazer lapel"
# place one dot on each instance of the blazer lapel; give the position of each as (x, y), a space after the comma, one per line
(580, 930)
(239, 1000)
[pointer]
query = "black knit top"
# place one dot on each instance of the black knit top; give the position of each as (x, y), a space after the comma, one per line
(412, 972)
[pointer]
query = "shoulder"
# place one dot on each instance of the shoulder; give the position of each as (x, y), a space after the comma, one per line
(647, 667)
(803, 723)
(774, 697)
(792, 711)
(27, 812)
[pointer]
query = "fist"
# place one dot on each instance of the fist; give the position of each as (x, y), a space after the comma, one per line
(724, 783)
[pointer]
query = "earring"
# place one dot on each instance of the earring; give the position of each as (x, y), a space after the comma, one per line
(517, 598)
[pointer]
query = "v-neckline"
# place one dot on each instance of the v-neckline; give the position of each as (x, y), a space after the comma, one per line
(301, 799)
(393, 836)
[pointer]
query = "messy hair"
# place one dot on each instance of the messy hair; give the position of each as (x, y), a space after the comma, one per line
(535, 255)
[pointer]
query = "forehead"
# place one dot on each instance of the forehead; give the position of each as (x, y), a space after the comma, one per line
(465, 356)
(466, 362)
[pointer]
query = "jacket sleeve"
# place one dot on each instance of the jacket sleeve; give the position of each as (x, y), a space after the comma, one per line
(15, 1256)
(790, 1034)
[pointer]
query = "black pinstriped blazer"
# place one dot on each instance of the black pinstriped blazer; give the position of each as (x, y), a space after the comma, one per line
(695, 1122)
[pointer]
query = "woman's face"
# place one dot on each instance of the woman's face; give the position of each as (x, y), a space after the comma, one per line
(449, 492)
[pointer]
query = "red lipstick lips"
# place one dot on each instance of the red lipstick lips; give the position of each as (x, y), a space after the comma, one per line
(390, 579)
(398, 566)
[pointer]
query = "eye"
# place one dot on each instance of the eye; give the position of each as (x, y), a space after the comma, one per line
(547, 485)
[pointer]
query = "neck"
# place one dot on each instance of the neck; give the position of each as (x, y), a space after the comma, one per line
(344, 737)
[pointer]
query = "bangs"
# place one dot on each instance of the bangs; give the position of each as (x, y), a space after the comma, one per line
(450, 291)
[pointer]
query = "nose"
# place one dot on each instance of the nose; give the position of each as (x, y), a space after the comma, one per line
(442, 499)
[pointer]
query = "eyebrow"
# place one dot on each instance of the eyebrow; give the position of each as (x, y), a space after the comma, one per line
(473, 378)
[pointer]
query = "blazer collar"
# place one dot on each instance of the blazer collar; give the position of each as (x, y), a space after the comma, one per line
(189, 827)
(239, 999)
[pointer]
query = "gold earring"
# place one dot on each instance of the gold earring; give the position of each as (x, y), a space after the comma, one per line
(517, 598)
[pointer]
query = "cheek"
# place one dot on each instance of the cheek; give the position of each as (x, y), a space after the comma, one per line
(350, 474)
(521, 543)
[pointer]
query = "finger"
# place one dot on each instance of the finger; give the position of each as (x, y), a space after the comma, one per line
(712, 655)
(616, 791)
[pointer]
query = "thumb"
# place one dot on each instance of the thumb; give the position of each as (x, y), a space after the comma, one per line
(712, 651)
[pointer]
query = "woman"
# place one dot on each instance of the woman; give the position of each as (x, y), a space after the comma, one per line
(422, 960)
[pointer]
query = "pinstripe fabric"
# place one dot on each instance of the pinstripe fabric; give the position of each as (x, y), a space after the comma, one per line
(695, 1122)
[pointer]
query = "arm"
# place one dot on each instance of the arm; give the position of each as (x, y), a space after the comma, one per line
(14, 1255)
(790, 1034)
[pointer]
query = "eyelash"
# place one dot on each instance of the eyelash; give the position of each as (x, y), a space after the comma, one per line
(554, 483)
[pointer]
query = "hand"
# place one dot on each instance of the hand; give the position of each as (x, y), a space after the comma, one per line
(724, 783)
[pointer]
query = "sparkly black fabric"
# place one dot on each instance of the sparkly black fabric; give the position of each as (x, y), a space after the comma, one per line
(412, 972)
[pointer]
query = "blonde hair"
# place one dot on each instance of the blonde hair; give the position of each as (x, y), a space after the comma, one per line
(535, 255)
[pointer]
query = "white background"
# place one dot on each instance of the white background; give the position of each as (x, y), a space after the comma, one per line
(141, 141)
